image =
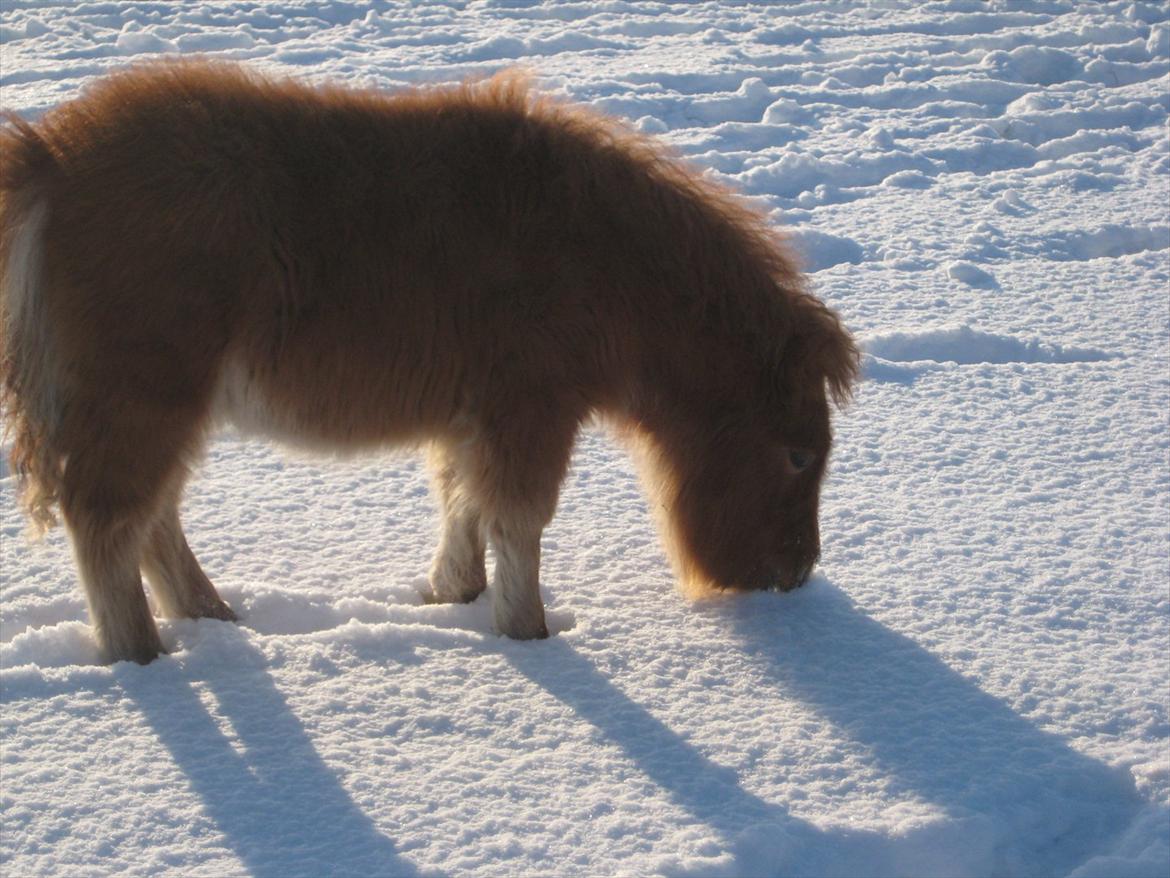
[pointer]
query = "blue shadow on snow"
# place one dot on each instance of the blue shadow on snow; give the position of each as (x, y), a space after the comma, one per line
(1018, 800)
(280, 807)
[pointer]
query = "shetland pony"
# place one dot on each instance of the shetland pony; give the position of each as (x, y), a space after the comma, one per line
(477, 269)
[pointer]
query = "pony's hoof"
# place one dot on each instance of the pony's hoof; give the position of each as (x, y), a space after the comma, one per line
(530, 631)
(142, 655)
(220, 611)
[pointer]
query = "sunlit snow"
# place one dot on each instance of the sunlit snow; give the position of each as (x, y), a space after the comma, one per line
(975, 682)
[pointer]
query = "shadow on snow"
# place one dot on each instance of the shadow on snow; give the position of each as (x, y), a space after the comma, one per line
(280, 807)
(1018, 801)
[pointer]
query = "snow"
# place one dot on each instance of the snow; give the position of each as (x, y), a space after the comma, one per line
(977, 680)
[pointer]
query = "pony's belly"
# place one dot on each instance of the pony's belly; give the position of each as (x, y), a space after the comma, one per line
(313, 416)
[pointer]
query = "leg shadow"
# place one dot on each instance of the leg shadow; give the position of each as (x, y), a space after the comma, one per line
(280, 807)
(1041, 806)
(1018, 801)
(762, 838)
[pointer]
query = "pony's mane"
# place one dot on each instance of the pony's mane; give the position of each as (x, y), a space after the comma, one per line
(744, 275)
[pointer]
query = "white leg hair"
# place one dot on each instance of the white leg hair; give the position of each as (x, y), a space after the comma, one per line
(457, 573)
(179, 585)
(517, 609)
(503, 480)
(107, 559)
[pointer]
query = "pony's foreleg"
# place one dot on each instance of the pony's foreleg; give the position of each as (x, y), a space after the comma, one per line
(521, 462)
(457, 573)
(180, 587)
(517, 609)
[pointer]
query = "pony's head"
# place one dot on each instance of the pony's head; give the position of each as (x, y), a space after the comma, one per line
(738, 484)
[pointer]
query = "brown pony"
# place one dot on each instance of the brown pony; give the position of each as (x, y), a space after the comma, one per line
(475, 267)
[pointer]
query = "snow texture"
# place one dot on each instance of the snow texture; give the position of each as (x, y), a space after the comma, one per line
(975, 683)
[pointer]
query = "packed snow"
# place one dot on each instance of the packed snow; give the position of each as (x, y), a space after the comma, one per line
(977, 680)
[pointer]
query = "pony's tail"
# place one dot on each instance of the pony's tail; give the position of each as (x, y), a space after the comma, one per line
(29, 392)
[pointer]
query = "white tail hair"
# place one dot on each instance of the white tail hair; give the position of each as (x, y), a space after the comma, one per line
(30, 397)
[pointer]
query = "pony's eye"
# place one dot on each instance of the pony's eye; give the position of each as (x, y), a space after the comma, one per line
(800, 460)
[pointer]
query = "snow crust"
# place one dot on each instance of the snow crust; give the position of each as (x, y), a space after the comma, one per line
(976, 682)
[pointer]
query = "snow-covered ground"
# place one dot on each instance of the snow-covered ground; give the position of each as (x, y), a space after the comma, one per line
(977, 680)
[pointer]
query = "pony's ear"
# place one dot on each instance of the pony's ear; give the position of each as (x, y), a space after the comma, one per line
(823, 350)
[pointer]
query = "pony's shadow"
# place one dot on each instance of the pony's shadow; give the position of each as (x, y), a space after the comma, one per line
(279, 806)
(758, 834)
(1017, 800)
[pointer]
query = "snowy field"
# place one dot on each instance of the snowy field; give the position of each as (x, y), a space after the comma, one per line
(976, 681)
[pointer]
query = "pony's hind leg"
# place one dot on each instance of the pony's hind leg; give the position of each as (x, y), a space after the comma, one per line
(457, 573)
(107, 552)
(108, 518)
(123, 460)
(180, 587)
